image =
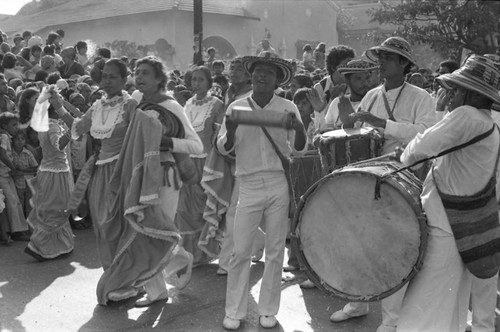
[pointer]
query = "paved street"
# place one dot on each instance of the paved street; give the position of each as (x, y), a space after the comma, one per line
(59, 296)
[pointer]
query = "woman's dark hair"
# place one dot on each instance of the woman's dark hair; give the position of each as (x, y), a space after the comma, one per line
(305, 81)
(52, 78)
(307, 47)
(41, 76)
(25, 53)
(52, 37)
(206, 72)
(218, 63)
(7, 117)
(49, 50)
(336, 55)
(158, 68)
(122, 66)
(27, 34)
(79, 45)
(9, 60)
(61, 33)
(301, 94)
(35, 48)
(24, 107)
(104, 52)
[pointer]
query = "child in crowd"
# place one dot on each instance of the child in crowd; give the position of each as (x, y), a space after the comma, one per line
(26, 166)
(306, 110)
(218, 68)
(16, 220)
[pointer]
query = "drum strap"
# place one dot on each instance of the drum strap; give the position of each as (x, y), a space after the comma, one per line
(390, 112)
(284, 162)
(455, 148)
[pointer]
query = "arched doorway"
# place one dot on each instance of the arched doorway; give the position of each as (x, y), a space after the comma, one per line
(223, 48)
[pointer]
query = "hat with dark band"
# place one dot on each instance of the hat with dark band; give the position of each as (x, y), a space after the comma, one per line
(266, 57)
(478, 74)
(357, 66)
(396, 45)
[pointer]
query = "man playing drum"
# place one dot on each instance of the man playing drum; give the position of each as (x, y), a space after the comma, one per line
(399, 110)
(357, 74)
(463, 238)
(263, 191)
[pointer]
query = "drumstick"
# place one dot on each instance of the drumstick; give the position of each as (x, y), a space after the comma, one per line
(390, 155)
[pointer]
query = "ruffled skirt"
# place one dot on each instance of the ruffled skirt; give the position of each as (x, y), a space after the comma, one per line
(52, 235)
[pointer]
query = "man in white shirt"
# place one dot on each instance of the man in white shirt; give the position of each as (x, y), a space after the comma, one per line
(263, 189)
(398, 110)
(441, 291)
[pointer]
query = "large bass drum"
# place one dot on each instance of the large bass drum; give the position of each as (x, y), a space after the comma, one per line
(360, 231)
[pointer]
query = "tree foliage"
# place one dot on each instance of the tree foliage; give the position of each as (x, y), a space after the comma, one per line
(447, 26)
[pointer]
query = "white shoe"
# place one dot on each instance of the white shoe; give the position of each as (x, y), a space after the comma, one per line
(122, 294)
(145, 301)
(340, 316)
(268, 322)
(230, 323)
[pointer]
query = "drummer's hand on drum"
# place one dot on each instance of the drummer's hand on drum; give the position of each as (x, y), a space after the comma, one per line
(369, 118)
(345, 109)
(315, 100)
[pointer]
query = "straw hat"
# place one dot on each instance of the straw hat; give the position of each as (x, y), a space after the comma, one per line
(478, 74)
(357, 66)
(267, 57)
(396, 45)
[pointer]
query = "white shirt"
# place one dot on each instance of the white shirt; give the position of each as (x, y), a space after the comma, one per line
(414, 112)
(464, 172)
(254, 152)
(332, 116)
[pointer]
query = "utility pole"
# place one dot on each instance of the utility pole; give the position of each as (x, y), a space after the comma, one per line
(198, 31)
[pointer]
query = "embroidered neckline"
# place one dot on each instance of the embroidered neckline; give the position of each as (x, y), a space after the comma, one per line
(112, 102)
(103, 126)
(199, 102)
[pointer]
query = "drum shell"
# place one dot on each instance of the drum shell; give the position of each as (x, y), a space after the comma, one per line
(327, 269)
(342, 147)
(304, 172)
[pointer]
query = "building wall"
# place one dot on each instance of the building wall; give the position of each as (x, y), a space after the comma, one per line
(292, 21)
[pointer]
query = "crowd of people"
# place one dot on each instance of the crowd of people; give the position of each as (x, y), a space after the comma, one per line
(156, 164)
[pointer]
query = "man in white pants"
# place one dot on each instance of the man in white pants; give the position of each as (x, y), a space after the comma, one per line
(399, 110)
(263, 189)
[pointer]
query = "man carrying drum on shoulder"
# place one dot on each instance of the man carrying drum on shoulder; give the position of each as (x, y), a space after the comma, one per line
(399, 111)
(460, 201)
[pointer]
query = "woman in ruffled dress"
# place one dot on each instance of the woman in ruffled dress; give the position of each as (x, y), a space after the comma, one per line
(151, 79)
(52, 236)
(205, 112)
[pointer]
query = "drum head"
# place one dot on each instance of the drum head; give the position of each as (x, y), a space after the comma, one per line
(355, 246)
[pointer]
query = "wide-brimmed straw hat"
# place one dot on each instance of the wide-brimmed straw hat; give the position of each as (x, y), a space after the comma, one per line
(396, 45)
(478, 74)
(266, 57)
(357, 66)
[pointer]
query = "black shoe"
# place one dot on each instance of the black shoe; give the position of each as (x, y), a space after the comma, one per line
(21, 236)
(34, 255)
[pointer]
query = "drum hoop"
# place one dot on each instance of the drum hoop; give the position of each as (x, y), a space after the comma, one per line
(295, 237)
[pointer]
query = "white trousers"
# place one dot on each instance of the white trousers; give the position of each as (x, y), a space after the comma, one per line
(226, 250)
(437, 299)
(261, 196)
(483, 303)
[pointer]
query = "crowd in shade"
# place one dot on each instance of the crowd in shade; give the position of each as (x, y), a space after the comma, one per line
(152, 159)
